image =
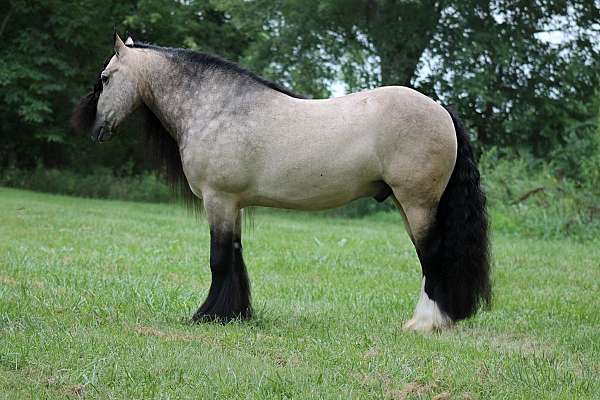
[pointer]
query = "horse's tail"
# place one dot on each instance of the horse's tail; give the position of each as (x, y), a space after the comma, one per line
(455, 253)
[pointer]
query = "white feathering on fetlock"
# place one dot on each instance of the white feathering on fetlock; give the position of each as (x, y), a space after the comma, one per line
(427, 316)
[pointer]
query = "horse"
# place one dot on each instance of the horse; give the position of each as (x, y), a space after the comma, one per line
(230, 139)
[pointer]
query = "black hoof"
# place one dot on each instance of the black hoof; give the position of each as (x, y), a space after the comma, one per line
(228, 300)
(221, 316)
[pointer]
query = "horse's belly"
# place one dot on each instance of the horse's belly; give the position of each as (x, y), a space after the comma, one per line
(316, 168)
(311, 198)
(311, 188)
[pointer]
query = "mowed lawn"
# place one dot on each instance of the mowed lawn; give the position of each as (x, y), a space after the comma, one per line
(95, 297)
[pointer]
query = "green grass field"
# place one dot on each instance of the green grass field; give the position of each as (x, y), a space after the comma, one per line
(95, 295)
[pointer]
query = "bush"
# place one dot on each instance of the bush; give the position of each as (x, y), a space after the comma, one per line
(360, 208)
(99, 184)
(530, 197)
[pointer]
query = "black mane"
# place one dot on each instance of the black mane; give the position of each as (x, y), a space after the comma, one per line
(212, 61)
(163, 152)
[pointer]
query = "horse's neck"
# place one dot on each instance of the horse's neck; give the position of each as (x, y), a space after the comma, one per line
(187, 104)
(169, 99)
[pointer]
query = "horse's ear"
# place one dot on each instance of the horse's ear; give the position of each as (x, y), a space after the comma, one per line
(119, 45)
(129, 41)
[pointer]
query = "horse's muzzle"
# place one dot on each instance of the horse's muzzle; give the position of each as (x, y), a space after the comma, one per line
(102, 134)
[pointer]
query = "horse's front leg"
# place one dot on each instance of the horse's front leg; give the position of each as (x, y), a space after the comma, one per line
(229, 294)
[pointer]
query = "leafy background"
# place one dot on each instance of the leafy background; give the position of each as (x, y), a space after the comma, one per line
(523, 74)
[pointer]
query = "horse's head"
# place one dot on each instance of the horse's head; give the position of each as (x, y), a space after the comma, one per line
(115, 95)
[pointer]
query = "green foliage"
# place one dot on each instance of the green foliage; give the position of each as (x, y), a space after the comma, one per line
(361, 208)
(47, 47)
(51, 53)
(527, 197)
(195, 24)
(524, 75)
(590, 163)
(101, 183)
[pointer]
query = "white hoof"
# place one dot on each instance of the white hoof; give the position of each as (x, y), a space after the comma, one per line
(427, 317)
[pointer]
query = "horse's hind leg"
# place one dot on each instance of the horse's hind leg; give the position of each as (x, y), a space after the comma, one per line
(445, 208)
(419, 218)
(229, 294)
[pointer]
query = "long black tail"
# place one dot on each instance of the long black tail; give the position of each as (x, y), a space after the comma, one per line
(455, 253)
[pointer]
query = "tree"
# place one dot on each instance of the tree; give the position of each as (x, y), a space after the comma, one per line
(524, 74)
(51, 53)
(520, 72)
(197, 25)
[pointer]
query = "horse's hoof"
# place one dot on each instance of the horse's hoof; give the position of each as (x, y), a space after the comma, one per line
(222, 318)
(199, 318)
(422, 325)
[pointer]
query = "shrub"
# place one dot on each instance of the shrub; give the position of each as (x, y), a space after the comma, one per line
(530, 197)
(101, 183)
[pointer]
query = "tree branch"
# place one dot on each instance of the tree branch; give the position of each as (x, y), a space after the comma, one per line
(528, 194)
(9, 14)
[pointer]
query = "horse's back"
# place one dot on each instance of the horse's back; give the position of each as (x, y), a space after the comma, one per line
(391, 114)
(399, 126)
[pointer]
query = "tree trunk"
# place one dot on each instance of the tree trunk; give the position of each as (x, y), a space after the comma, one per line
(6, 18)
(401, 32)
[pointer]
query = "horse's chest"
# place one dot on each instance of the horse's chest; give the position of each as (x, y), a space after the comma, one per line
(207, 168)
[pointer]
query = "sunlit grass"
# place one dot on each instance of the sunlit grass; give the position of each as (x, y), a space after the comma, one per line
(95, 297)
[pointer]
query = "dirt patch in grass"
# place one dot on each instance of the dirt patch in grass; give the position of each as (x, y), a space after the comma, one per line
(414, 388)
(143, 330)
(508, 342)
(7, 280)
(75, 390)
(371, 353)
(286, 362)
(519, 343)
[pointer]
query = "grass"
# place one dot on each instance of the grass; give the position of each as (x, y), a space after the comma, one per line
(95, 294)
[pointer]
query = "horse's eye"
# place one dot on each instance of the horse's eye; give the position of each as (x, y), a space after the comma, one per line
(104, 79)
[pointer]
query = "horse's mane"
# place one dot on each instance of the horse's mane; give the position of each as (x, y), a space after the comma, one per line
(161, 146)
(84, 114)
(163, 150)
(211, 61)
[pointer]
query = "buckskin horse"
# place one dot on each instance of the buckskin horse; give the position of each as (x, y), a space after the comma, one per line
(230, 139)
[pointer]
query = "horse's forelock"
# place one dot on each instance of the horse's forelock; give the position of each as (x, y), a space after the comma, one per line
(84, 114)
